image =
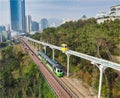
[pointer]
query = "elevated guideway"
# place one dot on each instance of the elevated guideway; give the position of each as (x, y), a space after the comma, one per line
(94, 60)
(100, 63)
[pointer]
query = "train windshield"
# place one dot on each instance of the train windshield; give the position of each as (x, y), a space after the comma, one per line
(59, 70)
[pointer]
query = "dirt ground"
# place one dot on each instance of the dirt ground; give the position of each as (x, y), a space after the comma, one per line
(85, 89)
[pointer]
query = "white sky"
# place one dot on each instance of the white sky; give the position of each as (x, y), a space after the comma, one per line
(60, 9)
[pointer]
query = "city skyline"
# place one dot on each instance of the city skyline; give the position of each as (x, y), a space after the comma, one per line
(73, 9)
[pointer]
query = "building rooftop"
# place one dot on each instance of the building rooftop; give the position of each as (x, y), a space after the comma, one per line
(115, 6)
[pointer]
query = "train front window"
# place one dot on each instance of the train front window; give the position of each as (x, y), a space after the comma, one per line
(58, 70)
(61, 70)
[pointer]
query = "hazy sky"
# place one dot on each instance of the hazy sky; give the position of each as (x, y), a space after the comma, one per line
(73, 9)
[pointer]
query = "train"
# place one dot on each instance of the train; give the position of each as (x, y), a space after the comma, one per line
(53, 65)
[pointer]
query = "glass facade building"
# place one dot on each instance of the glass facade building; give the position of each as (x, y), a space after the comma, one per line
(44, 24)
(35, 26)
(17, 9)
(28, 24)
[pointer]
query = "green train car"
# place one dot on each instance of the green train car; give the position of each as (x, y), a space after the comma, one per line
(51, 64)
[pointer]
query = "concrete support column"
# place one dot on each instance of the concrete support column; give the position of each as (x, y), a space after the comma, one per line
(102, 69)
(39, 46)
(53, 53)
(45, 49)
(29, 41)
(34, 44)
(68, 64)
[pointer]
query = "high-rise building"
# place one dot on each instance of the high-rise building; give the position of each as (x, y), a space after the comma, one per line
(1, 40)
(28, 24)
(35, 26)
(2, 28)
(5, 36)
(23, 15)
(17, 9)
(44, 24)
(7, 27)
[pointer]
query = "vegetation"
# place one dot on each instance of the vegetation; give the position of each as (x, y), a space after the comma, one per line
(100, 40)
(20, 77)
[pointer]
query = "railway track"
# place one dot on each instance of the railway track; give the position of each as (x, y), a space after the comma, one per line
(74, 91)
(60, 92)
(63, 81)
(68, 86)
